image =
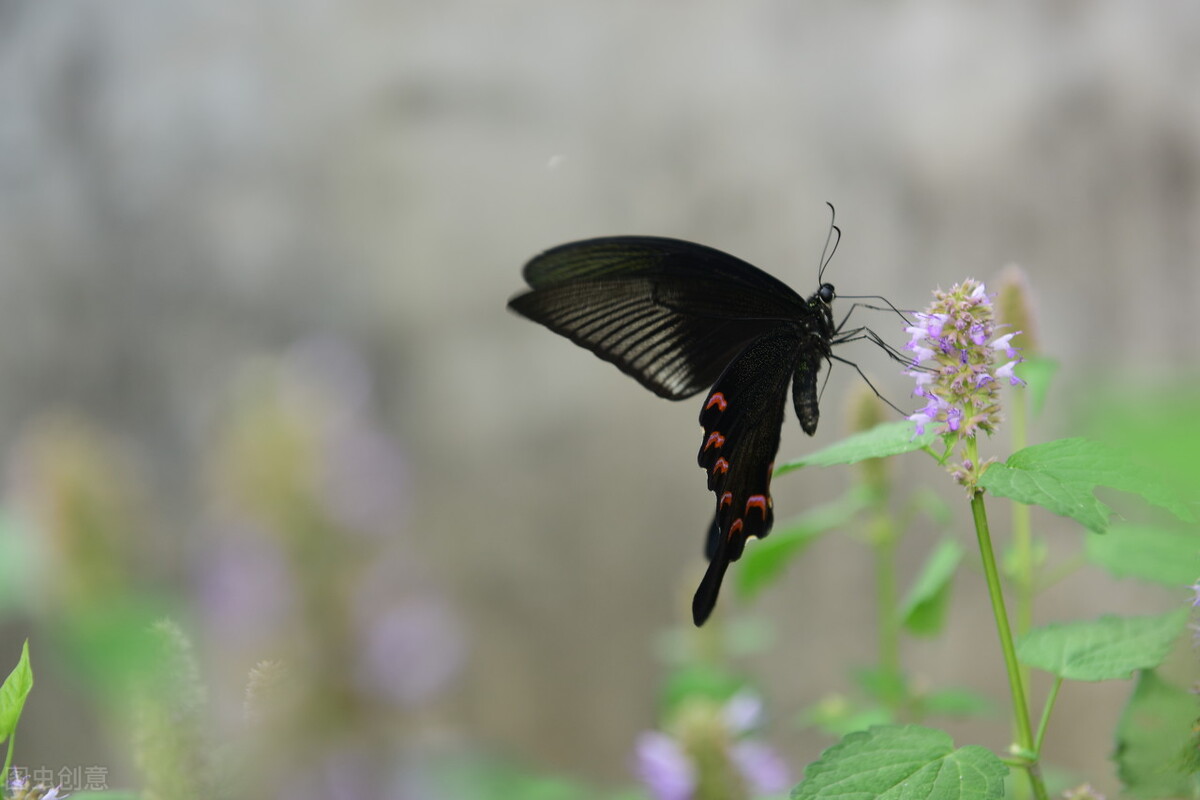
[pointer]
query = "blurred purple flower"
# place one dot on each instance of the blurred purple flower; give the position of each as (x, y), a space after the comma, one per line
(763, 769)
(411, 643)
(245, 587)
(670, 766)
(364, 479)
(663, 766)
(19, 789)
(412, 650)
(743, 712)
(364, 474)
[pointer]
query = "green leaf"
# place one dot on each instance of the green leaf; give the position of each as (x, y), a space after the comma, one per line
(958, 702)
(764, 560)
(886, 686)
(1061, 476)
(16, 557)
(490, 778)
(1013, 559)
(888, 439)
(1110, 648)
(699, 680)
(909, 762)
(932, 505)
(837, 715)
(1157, 421)
(1152, 740)
(1046, 490)
(1168, 556)
(923, 611)
(13, 692)
(1037, 372)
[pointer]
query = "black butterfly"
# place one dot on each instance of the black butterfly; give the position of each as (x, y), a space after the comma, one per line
(681, 317)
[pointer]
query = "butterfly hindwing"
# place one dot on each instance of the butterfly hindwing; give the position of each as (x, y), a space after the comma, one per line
(742, 417)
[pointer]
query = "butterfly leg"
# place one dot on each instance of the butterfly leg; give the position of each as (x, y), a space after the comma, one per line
(868, 382)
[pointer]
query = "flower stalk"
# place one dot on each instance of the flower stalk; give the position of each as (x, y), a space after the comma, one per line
(955, 347)
(1025, 743)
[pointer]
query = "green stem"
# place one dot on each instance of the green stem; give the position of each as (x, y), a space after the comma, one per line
(885, 592)
(1022, 532)
(1024, 731)
(1041, 731)
(1064, 569)
(8, 758)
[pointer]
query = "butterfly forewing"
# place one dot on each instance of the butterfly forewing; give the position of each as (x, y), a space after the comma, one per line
(621, 257)
(673, 354)
(669, 313)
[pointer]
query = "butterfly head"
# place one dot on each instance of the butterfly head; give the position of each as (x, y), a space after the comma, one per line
(826, 293)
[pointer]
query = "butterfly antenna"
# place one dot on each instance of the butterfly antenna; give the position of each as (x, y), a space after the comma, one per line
(834, 236)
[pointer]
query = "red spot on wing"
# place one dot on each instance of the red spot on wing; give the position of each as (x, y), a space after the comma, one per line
(715, 439)
(759, 501)
(735, 527)
(721, 465)
(727, 499)
(716, 399)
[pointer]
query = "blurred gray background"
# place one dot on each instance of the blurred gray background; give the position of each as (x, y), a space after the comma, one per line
(187, 185)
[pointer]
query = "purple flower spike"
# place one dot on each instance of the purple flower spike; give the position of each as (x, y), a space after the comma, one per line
(955, 347)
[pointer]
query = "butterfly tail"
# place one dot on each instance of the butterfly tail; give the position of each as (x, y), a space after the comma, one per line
(705, 598)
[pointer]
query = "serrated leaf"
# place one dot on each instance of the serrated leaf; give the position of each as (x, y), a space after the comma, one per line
(764, 560)
(13, 692)
(1061, 476)
(923, 611)
(1110, 648)
(1152, 739)
(888, 439)
(1045, 490)
(1158, 422)
(1168, 556)
(902, 761)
